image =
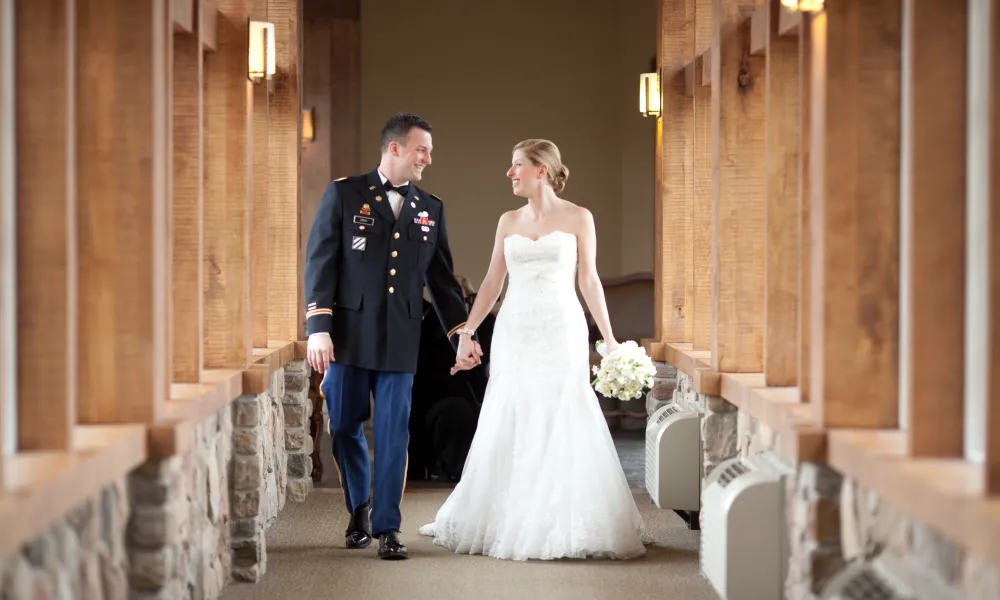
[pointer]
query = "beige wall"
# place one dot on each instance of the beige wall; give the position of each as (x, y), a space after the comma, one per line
(566, 70)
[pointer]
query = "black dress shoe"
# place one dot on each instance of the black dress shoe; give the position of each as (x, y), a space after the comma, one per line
(359, 528)
(390, 548)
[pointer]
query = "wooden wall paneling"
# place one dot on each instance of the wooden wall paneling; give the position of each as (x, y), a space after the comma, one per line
(701, 213)
(805, 62)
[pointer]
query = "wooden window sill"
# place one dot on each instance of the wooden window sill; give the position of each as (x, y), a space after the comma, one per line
(192, 403)
(781, 409)
(947, 494)
(41, 487)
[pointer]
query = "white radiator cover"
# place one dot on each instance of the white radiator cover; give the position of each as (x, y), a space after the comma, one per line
(744, 549)
(673, 458)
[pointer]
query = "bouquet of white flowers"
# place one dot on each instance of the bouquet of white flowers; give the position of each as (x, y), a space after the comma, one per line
(626, 373)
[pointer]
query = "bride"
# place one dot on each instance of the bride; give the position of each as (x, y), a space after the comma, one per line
(542, 479)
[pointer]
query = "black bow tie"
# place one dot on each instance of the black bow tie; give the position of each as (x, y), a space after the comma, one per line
(402, 190)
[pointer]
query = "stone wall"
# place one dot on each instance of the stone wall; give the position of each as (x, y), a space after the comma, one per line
(181, 527)
(81, 557)
(832, 521)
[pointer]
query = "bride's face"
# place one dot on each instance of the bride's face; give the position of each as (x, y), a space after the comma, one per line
(525, 178)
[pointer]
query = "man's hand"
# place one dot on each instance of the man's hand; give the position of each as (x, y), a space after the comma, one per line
(469, 355)
(319, 352)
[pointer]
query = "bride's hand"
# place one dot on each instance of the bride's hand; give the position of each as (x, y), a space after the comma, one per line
(610, 345)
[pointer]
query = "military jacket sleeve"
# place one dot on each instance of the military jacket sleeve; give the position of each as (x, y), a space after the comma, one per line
(322, 255)
(445, 291)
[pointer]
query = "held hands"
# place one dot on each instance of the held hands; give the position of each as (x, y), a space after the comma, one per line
(469, 354)
(319, 352)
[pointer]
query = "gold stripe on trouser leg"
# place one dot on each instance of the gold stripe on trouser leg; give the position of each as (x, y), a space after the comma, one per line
(406, 469)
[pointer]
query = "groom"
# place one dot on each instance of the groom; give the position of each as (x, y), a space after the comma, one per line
(376, 241)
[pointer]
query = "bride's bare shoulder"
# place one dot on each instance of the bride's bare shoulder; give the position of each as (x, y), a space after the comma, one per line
(506, 220)
(579, 215)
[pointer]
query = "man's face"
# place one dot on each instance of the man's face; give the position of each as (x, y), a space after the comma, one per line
(411, 158)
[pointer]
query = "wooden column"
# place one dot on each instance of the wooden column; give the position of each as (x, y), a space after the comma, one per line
(46, 224)
(738, 107)
(932, 258)
(986, 206)
(8, 242)
(259, 226)
(806, 163)
(284, 296)
(855, 214)
(700, 307)
(673, 224)
(122, 146)
(228, 340)
(188, 202)
(782, 204)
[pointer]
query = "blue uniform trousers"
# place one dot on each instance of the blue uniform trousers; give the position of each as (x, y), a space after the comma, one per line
(347, 391)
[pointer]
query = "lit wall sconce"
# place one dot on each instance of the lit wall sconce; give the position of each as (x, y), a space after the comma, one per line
(803, 5)
(649, 94)
(308, 132)
(261, 61)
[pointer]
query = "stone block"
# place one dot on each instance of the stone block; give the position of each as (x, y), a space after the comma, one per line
(150, 569)
(247, 472)
(665, 369)
(246, 503)
(718, 434)
(299, 465)
(245, 528)
(296, 415)
(299, 489)
(717, 404)
(296, 382)
(246, 440)
(823, 520)
(246, 411)
(937, 554)
(153, 527)
(298, 365)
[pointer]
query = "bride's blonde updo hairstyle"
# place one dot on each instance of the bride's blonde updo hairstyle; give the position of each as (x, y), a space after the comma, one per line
(544, 152)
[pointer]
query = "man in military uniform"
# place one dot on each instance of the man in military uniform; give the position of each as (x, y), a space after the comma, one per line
(376, 241)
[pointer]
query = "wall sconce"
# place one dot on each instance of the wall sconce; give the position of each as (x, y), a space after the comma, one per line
(803, 5)
(308, 130)
(261, 61)
(649, 94)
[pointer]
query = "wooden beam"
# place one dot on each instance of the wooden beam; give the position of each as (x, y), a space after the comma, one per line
(227, 193)
(984, 207)
(208, 24)
(701, 211)
(782, 203)
(122, 148)
(46, 224)
(673, 226)
(932, 256)
(258, 142)
(805, 167)
(187, 206)
(738, 107)
(706, 63)
(759, 30)
(182, 12)
(285, 305)
(855, 215)
(8, 241)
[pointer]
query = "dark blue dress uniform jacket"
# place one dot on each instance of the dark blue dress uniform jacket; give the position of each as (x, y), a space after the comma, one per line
(366, 270)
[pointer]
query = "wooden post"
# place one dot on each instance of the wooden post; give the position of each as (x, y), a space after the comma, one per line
(46, 224)
(188, 202)
(932, 258)
(805, 193)
(738, 107)
(855, 214)
(228, 336)
(782, 218)
(284, 300)
(700, 310)
(122, 170)
(8, 242)
(673, 225)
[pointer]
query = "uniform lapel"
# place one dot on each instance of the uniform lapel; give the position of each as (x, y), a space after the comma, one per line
(375, 195)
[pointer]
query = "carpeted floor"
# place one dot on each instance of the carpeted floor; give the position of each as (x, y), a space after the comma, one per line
(306, 560)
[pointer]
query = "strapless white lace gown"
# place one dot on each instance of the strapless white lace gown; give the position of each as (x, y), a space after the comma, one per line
(542, 479)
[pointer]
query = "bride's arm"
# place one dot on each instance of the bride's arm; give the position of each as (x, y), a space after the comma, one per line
(489, 291)
(588, 279)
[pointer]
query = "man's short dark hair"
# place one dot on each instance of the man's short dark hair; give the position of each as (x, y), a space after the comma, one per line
(398, 127)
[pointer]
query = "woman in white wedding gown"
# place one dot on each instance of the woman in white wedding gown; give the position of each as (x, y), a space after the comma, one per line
(542, 479)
